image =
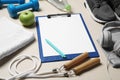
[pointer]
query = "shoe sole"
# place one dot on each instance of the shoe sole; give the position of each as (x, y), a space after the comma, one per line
(89, 10)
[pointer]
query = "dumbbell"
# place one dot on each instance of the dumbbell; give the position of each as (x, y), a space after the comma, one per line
(34, 4)
(11, 1)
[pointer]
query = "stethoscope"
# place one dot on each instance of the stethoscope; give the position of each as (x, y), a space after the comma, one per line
(69, 69)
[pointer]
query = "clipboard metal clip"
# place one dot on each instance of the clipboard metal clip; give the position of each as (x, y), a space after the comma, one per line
(63, 15)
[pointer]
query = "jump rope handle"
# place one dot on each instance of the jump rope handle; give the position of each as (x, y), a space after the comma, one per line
(86, 65)
(76, 61)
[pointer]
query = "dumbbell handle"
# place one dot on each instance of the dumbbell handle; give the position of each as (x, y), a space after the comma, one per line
(76, 61)
(8, 1)
(24, 6)
(11, 1)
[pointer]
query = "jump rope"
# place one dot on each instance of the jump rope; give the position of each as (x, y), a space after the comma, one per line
(74, 67)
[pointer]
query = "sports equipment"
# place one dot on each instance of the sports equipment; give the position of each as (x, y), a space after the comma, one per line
(34, 4)
(110, 38)
(11, 1)
(100, 11)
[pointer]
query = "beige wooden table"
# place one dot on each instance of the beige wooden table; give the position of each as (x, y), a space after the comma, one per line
(99, 73)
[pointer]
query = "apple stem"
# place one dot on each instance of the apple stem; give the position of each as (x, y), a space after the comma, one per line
(26, 13)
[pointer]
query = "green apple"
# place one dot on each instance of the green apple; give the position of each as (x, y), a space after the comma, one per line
(27, 18)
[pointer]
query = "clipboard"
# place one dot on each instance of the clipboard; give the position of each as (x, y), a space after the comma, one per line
(68, 32)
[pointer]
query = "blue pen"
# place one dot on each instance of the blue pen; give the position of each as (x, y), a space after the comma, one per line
(55, 48)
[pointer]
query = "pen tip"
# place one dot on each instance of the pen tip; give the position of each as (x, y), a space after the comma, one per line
(46, 40)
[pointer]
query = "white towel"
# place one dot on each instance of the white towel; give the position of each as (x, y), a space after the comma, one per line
(12, 37)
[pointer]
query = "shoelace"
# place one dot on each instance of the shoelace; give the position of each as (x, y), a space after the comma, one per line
(117, 52)
(98, 3)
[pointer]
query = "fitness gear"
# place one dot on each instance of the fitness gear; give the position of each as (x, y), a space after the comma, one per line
(11, 1)
(15, 37)
(110, 35)
(115, 5)
(81, 63)
(34, 4)
(110, 42)
(100, 10)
